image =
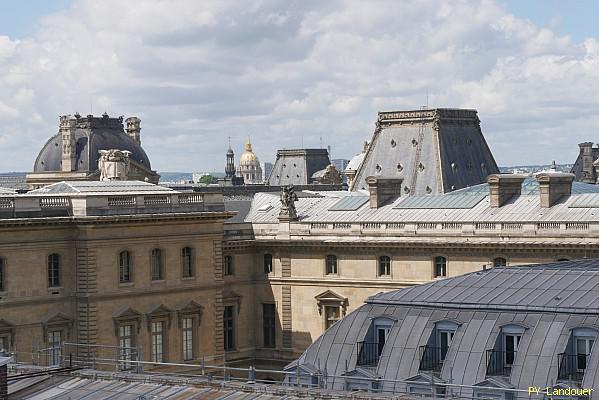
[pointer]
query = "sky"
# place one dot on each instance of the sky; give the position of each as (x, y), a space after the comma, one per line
(297, 73)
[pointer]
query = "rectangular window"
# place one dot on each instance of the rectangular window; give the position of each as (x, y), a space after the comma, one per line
(267, 263)
(511, 346)
(269, 324)
(445, 338)
(584, 347)
(157, 265)
(4, 343)
(53, 270)
(228, 265)
(187, 339)
(55, 347)
(157, 341)
(187, 261)
(440, 267)
(2, 276)
(384, 266)
(331, 315)
(229, 328)
(124, 267)
(331, 264)
(126, 345)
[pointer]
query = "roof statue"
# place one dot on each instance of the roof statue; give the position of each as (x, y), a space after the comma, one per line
(288, 199)
(433, 151)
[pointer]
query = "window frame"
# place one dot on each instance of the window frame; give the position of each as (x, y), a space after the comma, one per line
(187, 262)
(157, 256)
(442, 271)
(332, 261)
(188, 344)
(269, 326)
(129, 267)
(229, 341)
(328, 321)
(495, 259)
(228, 265)
(158, 349)
(268, 265)
(126, 351)
(54, 347)
(3, 283)
(54, 278)
(384, 271)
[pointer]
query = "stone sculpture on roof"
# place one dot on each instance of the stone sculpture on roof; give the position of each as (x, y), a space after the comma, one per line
(288, 199)
(114, 165)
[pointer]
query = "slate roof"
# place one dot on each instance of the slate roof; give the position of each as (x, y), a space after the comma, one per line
(433, 151)
(296, 167)
(565, 287)
(100, 187)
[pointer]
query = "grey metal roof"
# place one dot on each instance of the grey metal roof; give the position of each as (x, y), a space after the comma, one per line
(569, 287)
(89, 187)
(445, 208)
(296, 167)
(349, 203)
(530, 186)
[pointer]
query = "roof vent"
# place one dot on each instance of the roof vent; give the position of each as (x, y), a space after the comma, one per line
(503, 187)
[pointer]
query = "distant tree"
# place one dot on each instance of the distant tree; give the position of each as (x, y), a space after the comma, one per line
(207, 179)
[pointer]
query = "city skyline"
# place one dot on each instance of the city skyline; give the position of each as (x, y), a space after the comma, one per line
(297, 75)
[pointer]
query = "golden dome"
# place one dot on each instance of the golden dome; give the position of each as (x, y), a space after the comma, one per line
(248, 157)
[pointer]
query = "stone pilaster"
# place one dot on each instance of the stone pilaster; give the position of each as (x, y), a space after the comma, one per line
(86, 309)
(286, 317)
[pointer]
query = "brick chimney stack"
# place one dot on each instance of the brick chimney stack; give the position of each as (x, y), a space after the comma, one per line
(586, 153)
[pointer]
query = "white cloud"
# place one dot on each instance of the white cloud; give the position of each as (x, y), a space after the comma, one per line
(293, 72)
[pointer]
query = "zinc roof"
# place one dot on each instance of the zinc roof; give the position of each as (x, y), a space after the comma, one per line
(568, 287)
(89, 187)
(447, 208)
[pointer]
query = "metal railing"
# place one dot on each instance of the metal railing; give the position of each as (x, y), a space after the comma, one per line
(368, 353)
(572, 366)
(499, 363)
(431, 358)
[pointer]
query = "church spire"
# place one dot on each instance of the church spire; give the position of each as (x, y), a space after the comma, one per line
(230, 167)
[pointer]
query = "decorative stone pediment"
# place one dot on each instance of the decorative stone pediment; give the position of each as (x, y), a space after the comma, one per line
(159, 312)
(189, 309)
(7, 328)
(126, 315)
(330, 298)
(231, 297)
(56, 321)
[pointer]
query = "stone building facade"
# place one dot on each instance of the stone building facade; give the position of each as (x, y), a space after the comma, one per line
(117, 263)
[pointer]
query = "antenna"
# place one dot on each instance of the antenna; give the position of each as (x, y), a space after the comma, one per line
(320, 142)
(427, 99)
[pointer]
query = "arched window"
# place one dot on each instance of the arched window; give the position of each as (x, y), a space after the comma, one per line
(331, 264)
(384, 266)
(157, 265)
(440, 266)
(53, 270)
(124, 267)
(499, 262)
(187, 262)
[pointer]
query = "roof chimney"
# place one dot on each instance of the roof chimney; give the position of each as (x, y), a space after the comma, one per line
(503, 187)
(133, 128)
(586, 154)
(383, 189)
(554, 185)
(68, 125)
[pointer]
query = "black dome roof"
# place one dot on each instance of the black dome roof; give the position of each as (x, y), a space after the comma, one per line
(89, 140)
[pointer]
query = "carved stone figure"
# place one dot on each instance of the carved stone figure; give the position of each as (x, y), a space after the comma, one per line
(288, 198)
(114, 165)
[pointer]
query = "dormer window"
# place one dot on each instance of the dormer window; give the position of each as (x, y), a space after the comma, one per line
(501, 357)
(370, 349)
(434, 353)
(573, 362)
